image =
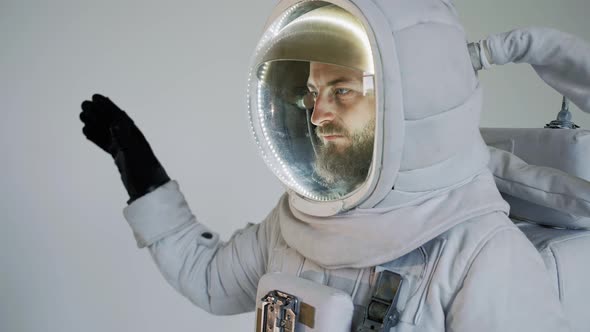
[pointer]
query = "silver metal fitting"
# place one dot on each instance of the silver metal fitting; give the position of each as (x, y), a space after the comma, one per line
(564, 118)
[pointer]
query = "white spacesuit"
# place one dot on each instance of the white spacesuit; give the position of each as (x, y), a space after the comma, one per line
(425, 206)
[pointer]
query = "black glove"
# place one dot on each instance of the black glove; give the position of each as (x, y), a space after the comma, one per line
(107, 126)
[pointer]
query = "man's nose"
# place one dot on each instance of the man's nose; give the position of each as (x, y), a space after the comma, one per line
(323, 110)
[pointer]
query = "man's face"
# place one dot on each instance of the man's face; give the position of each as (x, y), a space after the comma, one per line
(344, 116)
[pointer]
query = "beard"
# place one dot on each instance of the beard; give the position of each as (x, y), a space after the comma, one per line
(345, 168)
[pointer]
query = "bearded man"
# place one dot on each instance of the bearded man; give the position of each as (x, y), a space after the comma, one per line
(368, 113)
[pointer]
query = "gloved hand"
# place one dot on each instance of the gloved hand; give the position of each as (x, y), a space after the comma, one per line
(107, 126)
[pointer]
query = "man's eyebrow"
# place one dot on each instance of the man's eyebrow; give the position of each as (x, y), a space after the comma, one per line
(336, 81)
(342, 80)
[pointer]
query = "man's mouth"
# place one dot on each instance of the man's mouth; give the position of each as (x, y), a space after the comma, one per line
(331, 137)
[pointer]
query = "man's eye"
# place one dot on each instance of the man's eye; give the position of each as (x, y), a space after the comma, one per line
(308, 100)
(342, 91)
(313, 94)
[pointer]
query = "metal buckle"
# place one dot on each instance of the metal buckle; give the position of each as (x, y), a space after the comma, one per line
(279, 312)
(381, 313)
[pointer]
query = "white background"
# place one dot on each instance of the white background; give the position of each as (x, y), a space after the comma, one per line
(68, 260)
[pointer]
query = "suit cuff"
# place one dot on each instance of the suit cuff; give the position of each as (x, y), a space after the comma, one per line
(162, 212)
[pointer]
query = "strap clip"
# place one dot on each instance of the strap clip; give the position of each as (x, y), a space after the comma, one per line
(381, 313)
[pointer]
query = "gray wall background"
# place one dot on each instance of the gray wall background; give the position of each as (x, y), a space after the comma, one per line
(68, 261)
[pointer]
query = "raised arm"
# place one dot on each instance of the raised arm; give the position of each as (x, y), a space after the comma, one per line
(219, 277)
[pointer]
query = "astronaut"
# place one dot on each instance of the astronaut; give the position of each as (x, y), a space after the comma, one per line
(368, 112)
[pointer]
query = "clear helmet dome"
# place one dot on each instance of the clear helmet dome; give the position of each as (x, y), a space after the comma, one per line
(312, 102)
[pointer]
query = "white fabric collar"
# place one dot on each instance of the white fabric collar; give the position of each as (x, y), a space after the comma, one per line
(368, 237)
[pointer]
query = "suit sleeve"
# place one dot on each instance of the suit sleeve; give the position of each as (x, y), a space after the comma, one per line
(506, 288)
(220, 277)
